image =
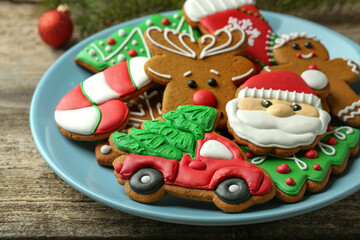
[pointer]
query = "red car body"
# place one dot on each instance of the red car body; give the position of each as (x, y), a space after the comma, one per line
(217, 158)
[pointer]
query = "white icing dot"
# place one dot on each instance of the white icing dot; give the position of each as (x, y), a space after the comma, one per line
(97, 59)
(234, 188)
(92, 52)
(134, 42)
(121, 57)
(173, 24)
(121, 33)
(101, 43)
(108, 48)
(149, 22)
(176, 16)
(105, 149)
(184, 31)
(126, 48)
(113, 61)
(141, 50)
(145, 179)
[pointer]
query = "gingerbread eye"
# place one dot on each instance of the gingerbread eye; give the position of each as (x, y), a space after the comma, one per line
(296, 107)
(266, 103)
(192, 84)
(308, 45)
(295, 46)
(212, 82)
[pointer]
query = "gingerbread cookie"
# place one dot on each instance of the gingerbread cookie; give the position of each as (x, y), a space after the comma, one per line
(181, 156)
(204, 72)
(277, 113)
(212, 15)
(146, 106)
(310, 170)
(128, 42)
(306, 56)
(95, 108)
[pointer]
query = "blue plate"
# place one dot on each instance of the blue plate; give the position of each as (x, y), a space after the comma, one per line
(75, 162)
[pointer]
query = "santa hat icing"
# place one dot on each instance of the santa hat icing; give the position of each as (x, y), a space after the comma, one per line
(282, 85)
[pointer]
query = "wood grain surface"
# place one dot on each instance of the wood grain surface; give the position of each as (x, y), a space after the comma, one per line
(35, 202)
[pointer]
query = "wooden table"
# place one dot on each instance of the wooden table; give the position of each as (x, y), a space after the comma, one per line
(35, 202)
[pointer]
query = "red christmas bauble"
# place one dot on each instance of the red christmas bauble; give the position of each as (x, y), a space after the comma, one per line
(55, 27)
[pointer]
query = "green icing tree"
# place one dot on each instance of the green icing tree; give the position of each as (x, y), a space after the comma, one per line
(171, 138)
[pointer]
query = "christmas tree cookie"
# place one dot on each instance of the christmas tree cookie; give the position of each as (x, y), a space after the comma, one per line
(182, 157)
(309, 170)
(128, 42)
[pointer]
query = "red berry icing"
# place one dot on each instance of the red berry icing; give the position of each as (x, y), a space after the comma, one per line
(317, 167)
(298, 55)
(313, 67)
(165, 21)
(283, 168)
(204, 97)
(249, 155)
(329, 128)
(290, 181)
(331, 141)
(132, 53)
(111, 41)
(118, 167)
(311, 154)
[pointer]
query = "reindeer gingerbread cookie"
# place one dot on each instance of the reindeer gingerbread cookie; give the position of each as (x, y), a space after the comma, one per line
(306, 56)
(204, 72)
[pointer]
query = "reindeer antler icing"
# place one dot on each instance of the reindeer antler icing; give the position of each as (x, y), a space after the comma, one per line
(209, 51)
(187, 52)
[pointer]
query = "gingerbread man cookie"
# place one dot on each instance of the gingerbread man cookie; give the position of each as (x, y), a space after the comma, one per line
(277, 113)
(204, 72)
(182, 156)
(306, 56)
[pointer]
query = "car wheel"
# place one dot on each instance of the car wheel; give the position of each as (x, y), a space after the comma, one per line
(233, 190)
(146, 181)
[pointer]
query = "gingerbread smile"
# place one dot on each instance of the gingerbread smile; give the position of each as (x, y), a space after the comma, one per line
(306, 56)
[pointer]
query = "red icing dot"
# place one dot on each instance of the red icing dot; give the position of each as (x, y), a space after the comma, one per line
(132, 53)
(311, 154)
(204, 97)
(118, 167)
(165, 21)
(331, 141)
(298, 55)
(313, 67)
(317, 167)
(111, 41)
(290, 181)
(329, 128)
(313, 53)
(283, 168)
(249, 155)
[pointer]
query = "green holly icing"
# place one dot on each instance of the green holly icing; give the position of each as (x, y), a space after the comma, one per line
(101, 55)
(171, 138)
(302, 168)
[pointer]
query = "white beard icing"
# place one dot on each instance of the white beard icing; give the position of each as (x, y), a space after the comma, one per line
(265, 130)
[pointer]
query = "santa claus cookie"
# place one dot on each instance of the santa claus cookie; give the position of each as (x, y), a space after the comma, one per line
(306, 56)
(277, 113)
(128, 42)
(182, 156)
(204, 72)
(146, 106)
(94, 109)
(212, 15)
(309, 170)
